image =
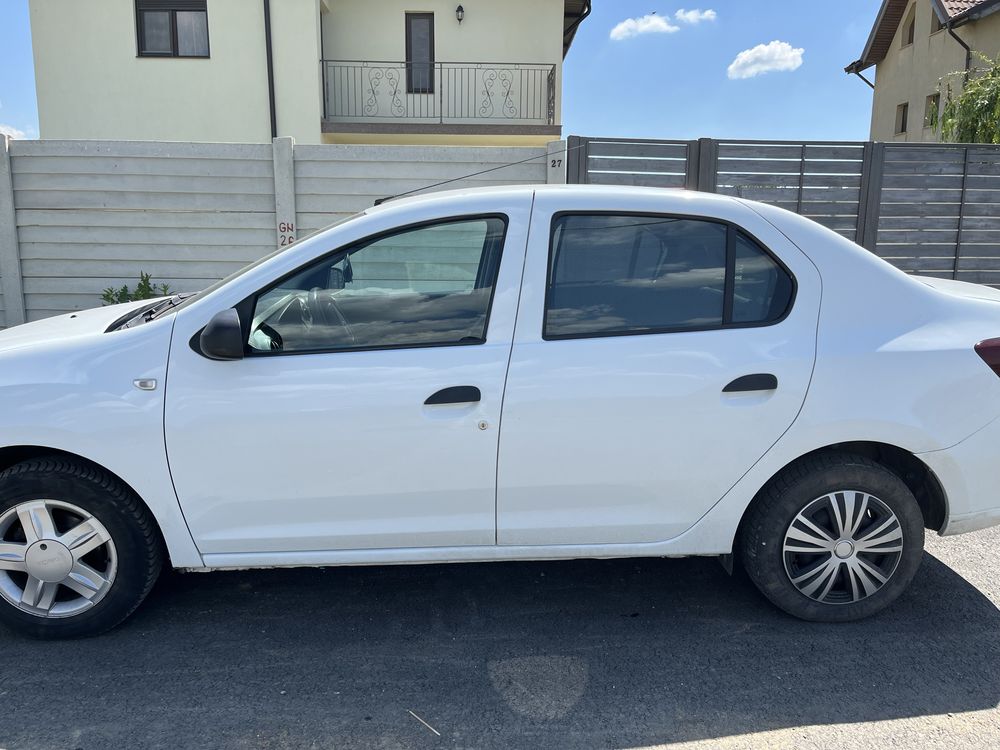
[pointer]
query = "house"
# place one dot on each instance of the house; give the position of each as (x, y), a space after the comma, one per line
(913, 45)
(484, 72)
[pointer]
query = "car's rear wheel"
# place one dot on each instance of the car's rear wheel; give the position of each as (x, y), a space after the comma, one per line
(78, 550)
(836, 537)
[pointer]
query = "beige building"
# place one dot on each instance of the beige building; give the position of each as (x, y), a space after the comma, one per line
(483, 72)
(913, 46)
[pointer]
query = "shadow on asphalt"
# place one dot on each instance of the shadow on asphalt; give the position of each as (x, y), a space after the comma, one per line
(584, 653)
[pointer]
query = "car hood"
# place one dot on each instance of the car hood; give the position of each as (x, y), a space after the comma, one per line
(66, 327)
(962, 289)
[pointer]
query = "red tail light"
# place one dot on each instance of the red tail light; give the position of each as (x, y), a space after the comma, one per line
(989, 350)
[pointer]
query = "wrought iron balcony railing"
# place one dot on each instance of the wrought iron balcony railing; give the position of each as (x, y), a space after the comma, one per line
(456, 93)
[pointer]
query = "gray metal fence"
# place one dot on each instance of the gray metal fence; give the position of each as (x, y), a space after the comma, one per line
(930, 209)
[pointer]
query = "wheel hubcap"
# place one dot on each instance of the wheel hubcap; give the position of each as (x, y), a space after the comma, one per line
(843, 547)
(56, 559)
(49, 561)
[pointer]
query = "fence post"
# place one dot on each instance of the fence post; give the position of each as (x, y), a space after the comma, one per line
(961, 214)
(10, 256)
(708, 163)
(556, 163)
(870, 196)
(691, 168)
(283, 150)
(576, 160)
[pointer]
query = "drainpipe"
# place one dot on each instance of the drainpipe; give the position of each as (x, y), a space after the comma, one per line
(270, 68)
(966, 47)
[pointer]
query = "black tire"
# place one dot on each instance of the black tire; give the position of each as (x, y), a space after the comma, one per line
(763, 532)
(135, 535)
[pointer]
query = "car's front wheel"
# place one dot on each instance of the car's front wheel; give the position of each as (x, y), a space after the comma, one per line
(836, 537)
(78, 550)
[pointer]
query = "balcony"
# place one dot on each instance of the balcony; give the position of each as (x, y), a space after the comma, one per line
(440, 97)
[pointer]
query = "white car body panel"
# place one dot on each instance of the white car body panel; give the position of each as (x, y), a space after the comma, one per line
(350, 458)
(867, 354)
(68, 386)
(626, 439)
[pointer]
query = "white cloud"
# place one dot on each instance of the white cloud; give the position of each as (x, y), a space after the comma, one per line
(648, 24)
(12, 132)
(694, 16)
(766, 58)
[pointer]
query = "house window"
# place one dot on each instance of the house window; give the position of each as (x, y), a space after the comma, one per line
(936, 24)
(902, 113)
(931, 110)
(172, 28)
(909, 26)
(420, 53)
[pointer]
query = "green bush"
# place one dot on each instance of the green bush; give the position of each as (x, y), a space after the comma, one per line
(973, 115)
(145, 289)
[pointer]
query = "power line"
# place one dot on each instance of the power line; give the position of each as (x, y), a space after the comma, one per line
(546, 155)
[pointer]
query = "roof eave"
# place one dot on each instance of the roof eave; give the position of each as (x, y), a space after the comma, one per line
(865, 61)
(569, 32)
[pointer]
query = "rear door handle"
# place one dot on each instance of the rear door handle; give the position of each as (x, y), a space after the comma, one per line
(459, 394)
(758, 382)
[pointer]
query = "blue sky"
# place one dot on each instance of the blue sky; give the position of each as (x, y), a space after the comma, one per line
(660, 77)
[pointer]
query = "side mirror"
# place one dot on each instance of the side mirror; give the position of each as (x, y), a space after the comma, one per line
(222, 338)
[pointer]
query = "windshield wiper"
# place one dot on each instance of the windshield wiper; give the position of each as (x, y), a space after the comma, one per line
(150, 313)
(167, 304)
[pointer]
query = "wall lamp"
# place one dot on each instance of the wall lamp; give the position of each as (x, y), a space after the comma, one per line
(460, 14)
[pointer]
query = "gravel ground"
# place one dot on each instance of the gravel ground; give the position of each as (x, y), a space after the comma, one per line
(590, 654)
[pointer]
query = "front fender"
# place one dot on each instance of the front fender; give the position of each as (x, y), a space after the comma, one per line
(76, 394)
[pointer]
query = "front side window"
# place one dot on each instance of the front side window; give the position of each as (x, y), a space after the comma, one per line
(172, 28)
(620, 274)
(425, 286)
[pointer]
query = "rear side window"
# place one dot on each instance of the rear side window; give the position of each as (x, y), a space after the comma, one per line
(628, 274)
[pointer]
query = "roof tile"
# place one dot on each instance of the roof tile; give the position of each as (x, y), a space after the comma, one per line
(954, 7)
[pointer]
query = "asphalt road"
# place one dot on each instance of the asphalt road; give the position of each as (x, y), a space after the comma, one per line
(590, 654)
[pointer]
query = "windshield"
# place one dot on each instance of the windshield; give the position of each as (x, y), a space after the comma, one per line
(180, 301)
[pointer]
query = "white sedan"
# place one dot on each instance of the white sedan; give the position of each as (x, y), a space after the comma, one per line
(507, 374)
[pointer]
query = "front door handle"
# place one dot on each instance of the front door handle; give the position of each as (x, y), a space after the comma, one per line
(758, 382)
(459, 394)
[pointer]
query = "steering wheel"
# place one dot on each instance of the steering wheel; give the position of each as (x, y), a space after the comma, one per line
(325, 307)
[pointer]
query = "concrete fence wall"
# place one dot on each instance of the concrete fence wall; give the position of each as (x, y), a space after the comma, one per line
(79, 216)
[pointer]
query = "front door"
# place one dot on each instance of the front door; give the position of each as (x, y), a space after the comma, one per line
(364, 414)
(657, 357)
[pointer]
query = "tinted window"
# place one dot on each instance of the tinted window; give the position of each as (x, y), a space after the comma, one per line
(423, 286)
(762, 289)
(621, 274)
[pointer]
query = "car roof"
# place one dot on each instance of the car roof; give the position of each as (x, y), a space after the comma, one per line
(569, 191)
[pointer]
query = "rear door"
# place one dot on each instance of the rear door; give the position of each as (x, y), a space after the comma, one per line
(660, 351)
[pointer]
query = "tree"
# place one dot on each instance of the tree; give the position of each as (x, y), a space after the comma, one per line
(972, 115)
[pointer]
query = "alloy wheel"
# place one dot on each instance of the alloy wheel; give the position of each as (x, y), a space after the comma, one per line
(56, 559)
